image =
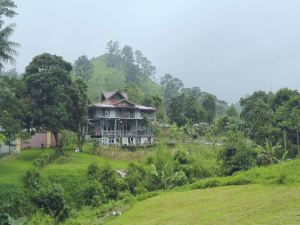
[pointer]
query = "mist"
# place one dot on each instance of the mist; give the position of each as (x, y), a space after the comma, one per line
(228, 48)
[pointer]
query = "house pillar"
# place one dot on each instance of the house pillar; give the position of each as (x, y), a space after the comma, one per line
(115, 128)
(136, 128)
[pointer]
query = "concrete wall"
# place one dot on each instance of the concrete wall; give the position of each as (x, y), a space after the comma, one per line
(4, 149)
(38, 140)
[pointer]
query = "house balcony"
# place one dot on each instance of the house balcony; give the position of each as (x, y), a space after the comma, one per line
(121, 133)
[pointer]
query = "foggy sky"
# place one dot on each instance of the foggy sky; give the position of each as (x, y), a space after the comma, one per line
(229, 48)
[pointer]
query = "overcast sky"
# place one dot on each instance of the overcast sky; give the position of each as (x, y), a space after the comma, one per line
(228, 48)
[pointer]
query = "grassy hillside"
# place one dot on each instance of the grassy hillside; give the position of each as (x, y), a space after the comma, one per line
(251, 204)
(265, 195)
(110, 79)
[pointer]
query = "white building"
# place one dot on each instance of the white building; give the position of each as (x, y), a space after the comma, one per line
(118, 121)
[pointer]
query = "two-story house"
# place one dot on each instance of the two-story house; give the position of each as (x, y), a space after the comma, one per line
(118, 121)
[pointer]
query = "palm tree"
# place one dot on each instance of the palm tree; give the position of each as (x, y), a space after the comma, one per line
(7, 47)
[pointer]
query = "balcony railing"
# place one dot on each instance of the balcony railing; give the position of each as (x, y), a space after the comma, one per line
(120, 133)
(127, 114)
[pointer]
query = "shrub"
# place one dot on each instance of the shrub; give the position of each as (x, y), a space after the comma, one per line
(32, 180)
(93, 171)
(238, 181)
(5, 219)
(181, 156)
(40, 219)
(112, 183)
(135, 177)
(238, 153)
(109, 178)
(282, 179)
(178, 179)
(93, 194)
(14, 201)
(42, 161)
(52, 201)
(212, 183)
(45, 159)
(200, 171)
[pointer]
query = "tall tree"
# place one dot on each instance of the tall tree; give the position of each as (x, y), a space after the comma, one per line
(171, 88)
(209, 102)
(113, 52)
(48, 86)
(258, 117)
(7, 47)
(12, 110)
(288, 116)
(282, 96)
(83, 67)
(133, 92)
(78, 117)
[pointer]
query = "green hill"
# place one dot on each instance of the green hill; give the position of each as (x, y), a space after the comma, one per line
(109, 79)
(250, 204)
(266, 195)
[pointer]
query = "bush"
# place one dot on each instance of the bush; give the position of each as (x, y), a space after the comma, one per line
(14, 201)
(32, 180)
(42, 161)
(93, 171)
(179, 179)
(238, 181)
(135, 177)
(111, 182)
(238, 154)
(212, 183)
(282, 179)
(40, 219)
(52, 201)
(45, 159)
(93, 194)
(181, 156)
(200, 171)
(5, 219)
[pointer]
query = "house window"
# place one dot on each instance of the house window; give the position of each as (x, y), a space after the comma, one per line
(107, 113)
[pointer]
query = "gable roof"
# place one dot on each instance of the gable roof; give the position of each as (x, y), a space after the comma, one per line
(118, 99)
(109, 94)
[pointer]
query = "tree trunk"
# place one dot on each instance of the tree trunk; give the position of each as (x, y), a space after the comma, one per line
(55, 134)
(57, 147)
(9, 145)
(284, 139)
(80, 137)
(298, 138)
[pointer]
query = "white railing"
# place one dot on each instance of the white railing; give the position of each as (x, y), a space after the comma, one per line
(121, 133)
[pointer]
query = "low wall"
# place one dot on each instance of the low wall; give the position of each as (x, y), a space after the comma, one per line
(39, 140)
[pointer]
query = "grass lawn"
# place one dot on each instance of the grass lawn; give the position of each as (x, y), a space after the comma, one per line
(77, 163)
(249, 204)
(13, 168)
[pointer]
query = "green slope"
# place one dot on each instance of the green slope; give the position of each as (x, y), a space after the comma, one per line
(110, 79)
(250, 204)
(269, 195)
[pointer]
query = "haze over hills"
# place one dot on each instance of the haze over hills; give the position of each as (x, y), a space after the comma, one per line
(105, 78)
